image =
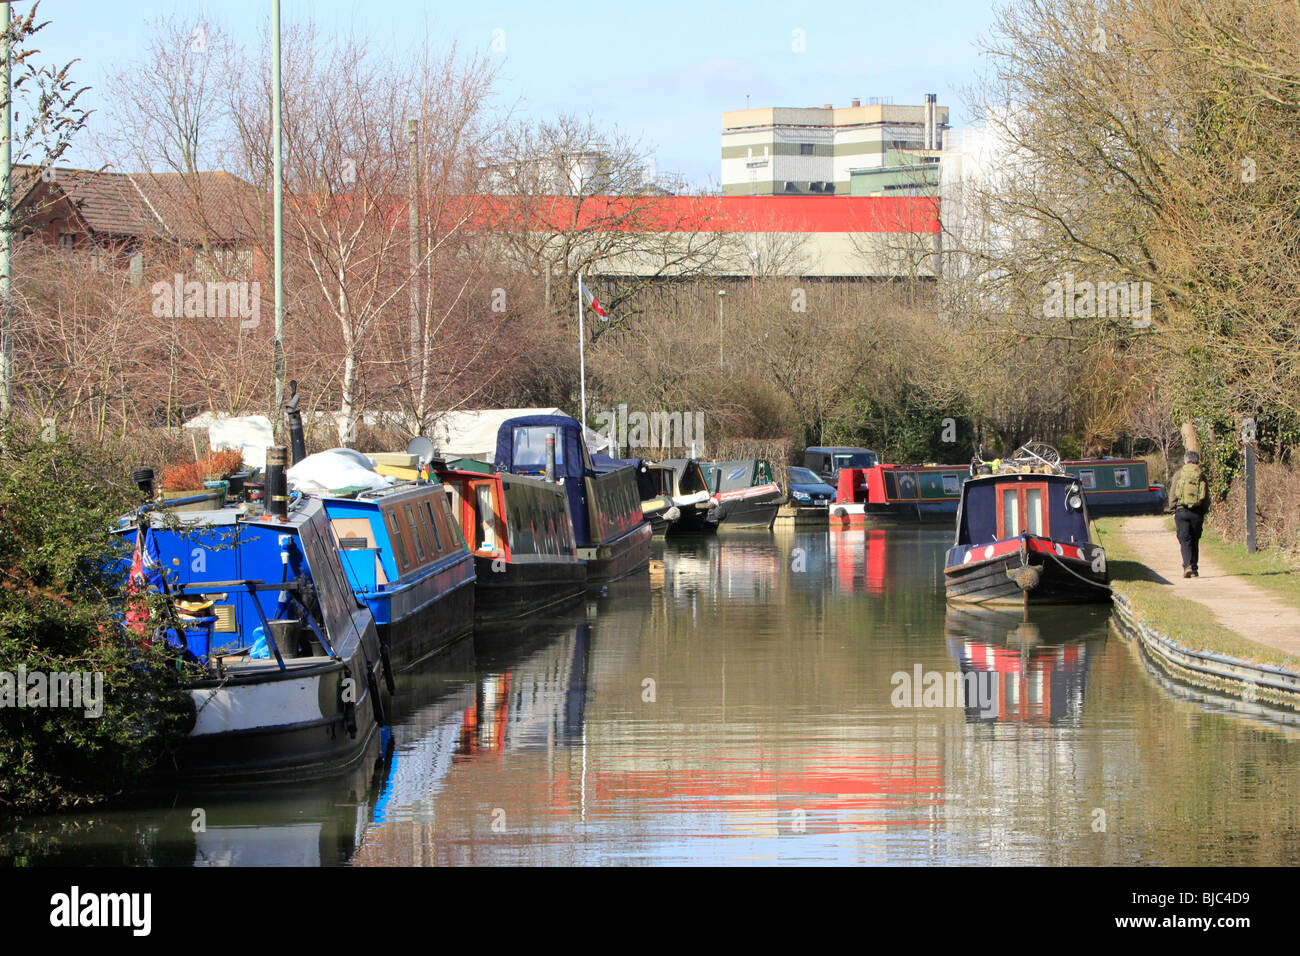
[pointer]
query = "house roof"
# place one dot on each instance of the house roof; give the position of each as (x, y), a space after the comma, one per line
(149, 205)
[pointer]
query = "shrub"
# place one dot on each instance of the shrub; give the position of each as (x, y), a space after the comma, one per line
(59, 591)
(1277, 504)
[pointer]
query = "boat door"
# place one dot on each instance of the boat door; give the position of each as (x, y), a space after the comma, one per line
(1022, 508)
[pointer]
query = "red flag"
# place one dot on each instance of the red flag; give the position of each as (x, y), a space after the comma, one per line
(591, 300)
(137, 611)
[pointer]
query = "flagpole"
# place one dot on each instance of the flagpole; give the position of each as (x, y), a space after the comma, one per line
(582, 356)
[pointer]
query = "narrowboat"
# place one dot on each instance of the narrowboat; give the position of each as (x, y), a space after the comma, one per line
(406, 558)
(931, 493)
(1022, 538)
(520, 533)
(1117, 486)
(289, 681)
(611, 537)
(654, 484)
(745, 494)
(692, 497)
(925, 493)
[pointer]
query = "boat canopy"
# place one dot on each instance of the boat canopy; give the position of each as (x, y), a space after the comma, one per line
(521, 446)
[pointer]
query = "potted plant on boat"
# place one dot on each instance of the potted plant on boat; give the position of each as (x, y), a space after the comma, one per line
(201, 484)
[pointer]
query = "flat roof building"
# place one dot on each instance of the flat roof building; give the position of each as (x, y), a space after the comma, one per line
(877, 149)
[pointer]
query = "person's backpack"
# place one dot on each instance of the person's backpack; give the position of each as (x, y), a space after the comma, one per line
(1190, 490)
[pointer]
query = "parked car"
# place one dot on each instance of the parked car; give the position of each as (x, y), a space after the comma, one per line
(827, 462)
(807, 490)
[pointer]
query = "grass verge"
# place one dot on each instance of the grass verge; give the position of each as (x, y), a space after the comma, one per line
(1187, 622)
(1269, 570)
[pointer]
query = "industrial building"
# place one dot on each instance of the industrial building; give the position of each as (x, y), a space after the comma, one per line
(872, 149)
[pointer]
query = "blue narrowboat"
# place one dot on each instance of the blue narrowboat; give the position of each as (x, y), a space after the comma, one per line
(1022, 538)
(611, 537)
(289, 681)
(406, 558)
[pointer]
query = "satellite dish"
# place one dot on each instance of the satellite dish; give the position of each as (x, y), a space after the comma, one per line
(421, 448)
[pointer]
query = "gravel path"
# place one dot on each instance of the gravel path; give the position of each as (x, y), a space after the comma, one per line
(1236, 604)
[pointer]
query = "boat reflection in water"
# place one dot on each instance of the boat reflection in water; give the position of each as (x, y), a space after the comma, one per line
(520, 692)
(313, 823)
(1013, 668)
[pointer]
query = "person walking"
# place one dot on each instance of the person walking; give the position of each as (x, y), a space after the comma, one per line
(1190, 500)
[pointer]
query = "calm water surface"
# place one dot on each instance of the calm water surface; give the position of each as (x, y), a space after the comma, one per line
(774, 698)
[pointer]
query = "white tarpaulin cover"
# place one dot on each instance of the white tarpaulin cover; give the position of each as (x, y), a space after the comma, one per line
(251, 434)
(330, 471)
(473, 433)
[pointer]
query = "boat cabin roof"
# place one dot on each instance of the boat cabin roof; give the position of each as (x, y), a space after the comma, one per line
(1001, 506)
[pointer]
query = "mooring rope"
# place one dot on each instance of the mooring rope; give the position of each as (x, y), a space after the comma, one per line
(1070, 570)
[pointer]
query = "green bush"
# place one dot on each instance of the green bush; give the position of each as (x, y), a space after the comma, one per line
(58, 595)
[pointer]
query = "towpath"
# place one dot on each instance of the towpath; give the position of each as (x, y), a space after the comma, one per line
(1235, 603)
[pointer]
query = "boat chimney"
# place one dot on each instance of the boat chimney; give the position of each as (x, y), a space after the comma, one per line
(294, 417)
(550, 458)
(277, 487)
(144, 480)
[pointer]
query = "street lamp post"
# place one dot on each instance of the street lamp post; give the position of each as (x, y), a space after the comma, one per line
(721, 294)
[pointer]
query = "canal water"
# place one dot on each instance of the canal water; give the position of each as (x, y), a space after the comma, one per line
(772, 698)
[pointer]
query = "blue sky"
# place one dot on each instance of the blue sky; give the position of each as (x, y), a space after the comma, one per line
(664, 72)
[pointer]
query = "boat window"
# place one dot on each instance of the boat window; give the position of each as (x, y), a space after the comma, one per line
(415, 534)
(1010, 513)
(1034, 510)
(530, 446)
(1088, 478)
(433, 524)
(951, 484)
(399, 545)
(485, 537)
(1121, 478)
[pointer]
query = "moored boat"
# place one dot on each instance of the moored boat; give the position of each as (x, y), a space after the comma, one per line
(288, 675)
(745, 494)
(609, 532)
(520, 533)
(691, 497)
(1022, 538)
(406, 558)
(931, 493)
(654, 485)
(925, 493)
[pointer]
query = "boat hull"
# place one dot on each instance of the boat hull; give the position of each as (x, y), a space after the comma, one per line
(626, 554)
(278, 726)
(994, 580)
(440, 621)
(747, 511)
(506, 590)
(693, 520)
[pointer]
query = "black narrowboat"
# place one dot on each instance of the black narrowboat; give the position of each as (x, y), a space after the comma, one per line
(1022, 538)
(745, 494)
(521, 535)
(611, 537)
